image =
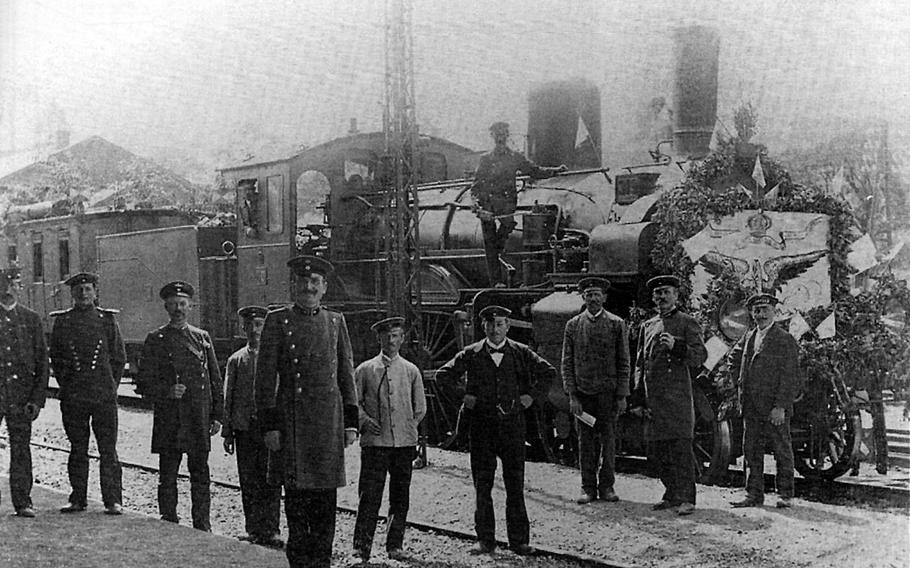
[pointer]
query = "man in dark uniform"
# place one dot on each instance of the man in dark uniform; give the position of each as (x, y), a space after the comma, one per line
(88, 355)
(495, 197)
(179, 373)
(307, 406)
(595, 375)
(765, 362)
(668, 345)
(502, 379)
(23, 384)
(392, 404)
(241, 432)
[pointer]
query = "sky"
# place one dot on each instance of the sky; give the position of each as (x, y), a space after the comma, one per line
(205, 76)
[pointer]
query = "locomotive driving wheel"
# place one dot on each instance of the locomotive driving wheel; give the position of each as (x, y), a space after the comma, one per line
(825, 438)
(711, 447)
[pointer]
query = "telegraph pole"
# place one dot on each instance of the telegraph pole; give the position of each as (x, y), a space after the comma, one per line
(402, 246)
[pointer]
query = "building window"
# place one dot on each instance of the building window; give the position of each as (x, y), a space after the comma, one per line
(63, 249)
(12, 255)
(248, 192)
(275, 204)
(37, 258)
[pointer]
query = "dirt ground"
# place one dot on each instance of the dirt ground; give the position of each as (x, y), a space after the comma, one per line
(809, 534)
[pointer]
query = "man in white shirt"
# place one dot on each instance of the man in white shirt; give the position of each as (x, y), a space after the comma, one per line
(392, 403)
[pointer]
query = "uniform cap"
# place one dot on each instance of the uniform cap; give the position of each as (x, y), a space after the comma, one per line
(82, 278)
(490, 312)
(499, 126)
(663, 280)
(177, 288)
(387, 324)
(762, 299)
(305, 265)
(11, 273)
(593, 282)
(250, 312)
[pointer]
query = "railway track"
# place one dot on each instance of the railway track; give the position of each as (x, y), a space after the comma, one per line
(463, 538)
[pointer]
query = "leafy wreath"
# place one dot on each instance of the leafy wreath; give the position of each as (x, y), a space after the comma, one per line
(864, 352)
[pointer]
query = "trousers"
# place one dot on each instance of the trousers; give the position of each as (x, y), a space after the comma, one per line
(675, 463)
(375, 463)
(757, 432)
(20, 457)
(261, 500)
(200, 492)
(311, 526)
(79, 419)
(597, 444)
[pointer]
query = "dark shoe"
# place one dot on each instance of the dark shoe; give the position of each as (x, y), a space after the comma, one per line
(784, 503)
(397, 554)
(113, 509)
(747, 502)
(248, 538)
(500, 285)
(484, 548)
(26, 512)
(362, 554)
(685, 509)
(523, 550)
(586, 498)
(170, 519)
(663, 505)
(609, 496)
(72, 508)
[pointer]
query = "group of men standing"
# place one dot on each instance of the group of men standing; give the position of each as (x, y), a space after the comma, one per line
(294, 401)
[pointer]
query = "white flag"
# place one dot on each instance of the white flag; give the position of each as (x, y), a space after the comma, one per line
(827, 328)
(582, 134)
(697, 245)
(861, 255)
(771, 197)
(717, 348)
(758, 174)
(743, 189)
(798, 326)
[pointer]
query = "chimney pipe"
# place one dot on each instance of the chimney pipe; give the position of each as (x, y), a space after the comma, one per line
(695, 89)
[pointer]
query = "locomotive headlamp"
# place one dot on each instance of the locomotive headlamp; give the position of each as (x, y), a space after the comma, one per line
(733, 319)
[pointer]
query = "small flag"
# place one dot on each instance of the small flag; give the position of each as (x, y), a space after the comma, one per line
(837, 183)
(827, 328)
(582, 134)
(717, 348)
(743, 189)
(697, 245)
(798, 326)
(861, 255)
(758, 174)
(771, 197)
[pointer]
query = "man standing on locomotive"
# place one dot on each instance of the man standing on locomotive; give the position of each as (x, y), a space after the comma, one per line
(88, 356)
(241, 432)
(179, 372)
(595, 374)
(23, 384)
(392, 404)
(502, 378)
(307, 405)
(668, 345)
(495, 197)
(765, 362)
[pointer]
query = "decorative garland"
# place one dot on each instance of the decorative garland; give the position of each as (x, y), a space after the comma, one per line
(863, 347)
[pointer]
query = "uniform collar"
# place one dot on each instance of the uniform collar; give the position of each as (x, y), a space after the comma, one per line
(307, 311)
(386, 360)
(10, 307)
(179, 327)
(497, 347)
(670, 313)
(593, 317)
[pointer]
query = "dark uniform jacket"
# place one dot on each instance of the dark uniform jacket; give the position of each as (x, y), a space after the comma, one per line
(305, 390)
(768, 377)
(186, 356)
(494, 396)
(87, 354)
(239, 394)
(494, 181)
(663, 375)
(23, 359)
(595, 355)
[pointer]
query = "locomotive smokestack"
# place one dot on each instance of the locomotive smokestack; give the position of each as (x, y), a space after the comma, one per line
(564, 124)
(695, 93)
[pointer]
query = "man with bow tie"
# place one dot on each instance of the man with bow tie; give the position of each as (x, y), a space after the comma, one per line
(503, 377)
(765, 363)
